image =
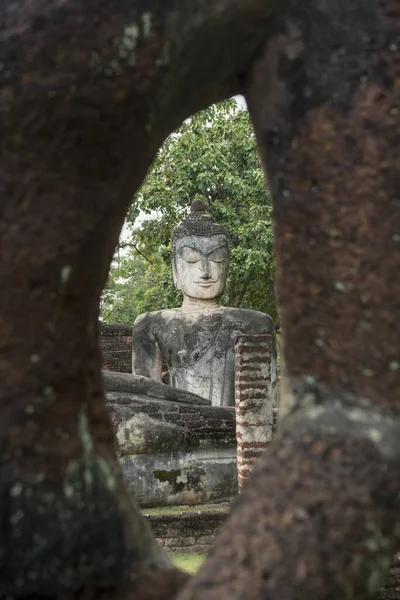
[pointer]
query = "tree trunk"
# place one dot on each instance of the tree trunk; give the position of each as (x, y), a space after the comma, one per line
(88, 92)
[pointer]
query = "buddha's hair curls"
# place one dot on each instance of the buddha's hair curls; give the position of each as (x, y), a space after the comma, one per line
(199, 222)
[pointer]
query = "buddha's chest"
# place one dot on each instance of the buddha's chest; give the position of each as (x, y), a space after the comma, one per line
(187, 343)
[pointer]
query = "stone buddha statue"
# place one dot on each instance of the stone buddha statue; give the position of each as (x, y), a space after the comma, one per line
(196, 341)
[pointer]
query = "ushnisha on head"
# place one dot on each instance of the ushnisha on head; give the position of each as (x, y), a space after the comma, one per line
(200, 255)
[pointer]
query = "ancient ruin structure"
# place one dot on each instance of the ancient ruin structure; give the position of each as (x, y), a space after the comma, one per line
(173, 446)
(88, 92)
(116, 347)
(255, 383)
(196, 341)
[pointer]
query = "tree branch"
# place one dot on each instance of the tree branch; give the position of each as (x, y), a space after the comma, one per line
(244, 288)
(131, 245)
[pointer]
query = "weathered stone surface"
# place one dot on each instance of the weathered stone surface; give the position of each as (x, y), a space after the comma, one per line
(86, 98)
(88, 91)
(175, 478)
(142, 435)
(327, 124)
(208, 426)
(174, 453)
(185, 337)
(150, 584)
(392, 590)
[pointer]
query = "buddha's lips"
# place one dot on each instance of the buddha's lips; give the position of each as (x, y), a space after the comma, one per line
(205, 283)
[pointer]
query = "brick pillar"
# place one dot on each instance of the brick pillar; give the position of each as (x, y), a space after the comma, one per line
(255, 399)
(116, 347)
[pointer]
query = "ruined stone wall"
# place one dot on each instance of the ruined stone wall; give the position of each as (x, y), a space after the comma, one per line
(187, 533)
(116, 347)
(206, 425)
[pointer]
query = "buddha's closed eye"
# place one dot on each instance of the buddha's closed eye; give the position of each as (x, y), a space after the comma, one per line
(219, 255)
(190, 255)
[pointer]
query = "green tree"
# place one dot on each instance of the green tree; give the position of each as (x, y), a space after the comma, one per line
(212, 156)
(136, 285)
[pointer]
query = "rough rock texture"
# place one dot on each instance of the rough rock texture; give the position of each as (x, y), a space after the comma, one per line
(88, 91)
(311, 536)
(392, 590)
(150, 584)
(326, 114)
(141, 434)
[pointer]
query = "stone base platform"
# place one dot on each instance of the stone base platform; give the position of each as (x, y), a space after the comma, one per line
(188, 532)
(191, 477)
(174, 453)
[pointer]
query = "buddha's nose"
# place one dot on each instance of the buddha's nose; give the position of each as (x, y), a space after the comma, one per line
(205, 271)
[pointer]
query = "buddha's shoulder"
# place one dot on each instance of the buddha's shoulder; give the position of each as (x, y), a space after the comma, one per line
(156, 318)
(252, 321)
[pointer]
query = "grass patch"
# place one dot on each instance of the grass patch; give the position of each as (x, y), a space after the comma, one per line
(190, 563)
(222, 507)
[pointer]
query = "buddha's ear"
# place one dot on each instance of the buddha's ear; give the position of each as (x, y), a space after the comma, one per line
(175, 275)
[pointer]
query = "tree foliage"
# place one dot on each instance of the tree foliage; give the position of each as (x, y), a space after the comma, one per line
(213, 157)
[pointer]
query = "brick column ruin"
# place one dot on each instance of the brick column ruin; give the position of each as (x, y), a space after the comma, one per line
(116, 347)
(255, 399)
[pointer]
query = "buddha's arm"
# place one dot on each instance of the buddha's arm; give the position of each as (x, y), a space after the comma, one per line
(146, 355)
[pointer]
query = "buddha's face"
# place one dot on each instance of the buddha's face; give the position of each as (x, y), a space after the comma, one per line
(201, 266)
